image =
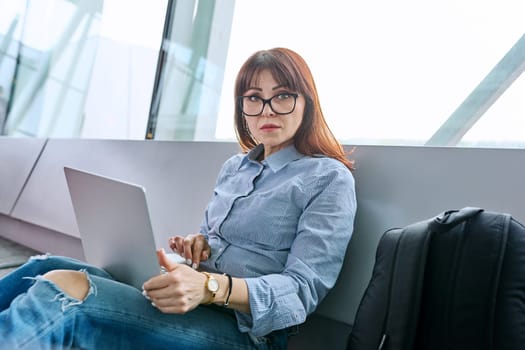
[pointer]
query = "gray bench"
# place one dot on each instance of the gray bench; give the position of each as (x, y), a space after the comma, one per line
(395, 186)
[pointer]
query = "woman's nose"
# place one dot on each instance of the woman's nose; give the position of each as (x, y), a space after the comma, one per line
(267, 110)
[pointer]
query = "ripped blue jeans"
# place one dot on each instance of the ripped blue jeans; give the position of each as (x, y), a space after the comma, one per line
(37, 314)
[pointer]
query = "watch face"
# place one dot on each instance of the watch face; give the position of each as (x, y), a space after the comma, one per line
(213, 285)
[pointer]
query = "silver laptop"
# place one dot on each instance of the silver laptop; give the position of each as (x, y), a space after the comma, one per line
(114, 224)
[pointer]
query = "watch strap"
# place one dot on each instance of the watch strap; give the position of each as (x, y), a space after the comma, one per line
(230, 281)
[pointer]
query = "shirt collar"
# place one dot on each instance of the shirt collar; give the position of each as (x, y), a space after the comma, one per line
(276, 161)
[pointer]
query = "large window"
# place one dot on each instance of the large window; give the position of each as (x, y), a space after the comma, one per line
(394, 71)
(81, 68)
(404, 72)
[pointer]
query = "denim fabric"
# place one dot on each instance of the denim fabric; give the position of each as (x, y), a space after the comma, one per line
(36, 314)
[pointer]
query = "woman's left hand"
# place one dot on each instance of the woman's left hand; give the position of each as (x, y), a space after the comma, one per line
(179, 290)
(193, 247)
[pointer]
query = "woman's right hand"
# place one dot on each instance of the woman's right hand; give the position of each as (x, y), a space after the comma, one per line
(194, 248)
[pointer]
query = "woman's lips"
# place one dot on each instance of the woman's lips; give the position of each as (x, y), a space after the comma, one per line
(269, 127)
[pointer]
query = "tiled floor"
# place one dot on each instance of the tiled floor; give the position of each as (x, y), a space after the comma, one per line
(12, 255)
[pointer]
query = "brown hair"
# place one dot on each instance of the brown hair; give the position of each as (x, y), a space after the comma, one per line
(290, 70)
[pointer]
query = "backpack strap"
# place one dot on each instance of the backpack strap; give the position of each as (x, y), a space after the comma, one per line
(506, 218)
(401, 321)
(408, 270)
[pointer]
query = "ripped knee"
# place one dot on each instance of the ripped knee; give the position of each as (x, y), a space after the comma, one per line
(74, 283)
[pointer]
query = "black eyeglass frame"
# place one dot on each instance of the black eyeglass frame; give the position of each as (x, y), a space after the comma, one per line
(269, 102)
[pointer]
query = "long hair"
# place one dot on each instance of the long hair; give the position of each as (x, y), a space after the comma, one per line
(289, 69)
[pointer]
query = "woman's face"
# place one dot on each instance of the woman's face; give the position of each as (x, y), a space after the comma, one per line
(273, 130)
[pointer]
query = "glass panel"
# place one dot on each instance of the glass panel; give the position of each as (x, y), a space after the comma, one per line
(47, 79)
(503, 125)
(191, 75)
(86, 68)
(387, 72)
(10, 28)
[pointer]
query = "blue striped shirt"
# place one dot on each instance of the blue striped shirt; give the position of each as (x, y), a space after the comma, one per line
(283, 225)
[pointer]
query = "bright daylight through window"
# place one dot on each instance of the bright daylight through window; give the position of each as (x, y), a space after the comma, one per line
(399, 73)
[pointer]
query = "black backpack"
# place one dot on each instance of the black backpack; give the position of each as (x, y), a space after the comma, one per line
(455, 281)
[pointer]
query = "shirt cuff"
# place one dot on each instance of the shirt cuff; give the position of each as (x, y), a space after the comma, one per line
(279, 308)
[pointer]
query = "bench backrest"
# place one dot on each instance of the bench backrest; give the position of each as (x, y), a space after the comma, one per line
(395, 186)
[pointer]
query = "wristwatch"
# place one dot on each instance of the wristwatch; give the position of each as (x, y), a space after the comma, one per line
(212, 285)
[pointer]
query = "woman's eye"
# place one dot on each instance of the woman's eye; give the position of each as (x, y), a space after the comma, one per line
(253, 98)
(284, 96)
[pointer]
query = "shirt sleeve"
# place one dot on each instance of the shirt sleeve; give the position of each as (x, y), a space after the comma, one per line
(315, 259)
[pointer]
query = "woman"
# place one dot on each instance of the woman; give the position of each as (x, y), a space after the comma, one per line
(270, 247)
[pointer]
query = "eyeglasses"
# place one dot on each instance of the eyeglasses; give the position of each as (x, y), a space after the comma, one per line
(283, 103)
